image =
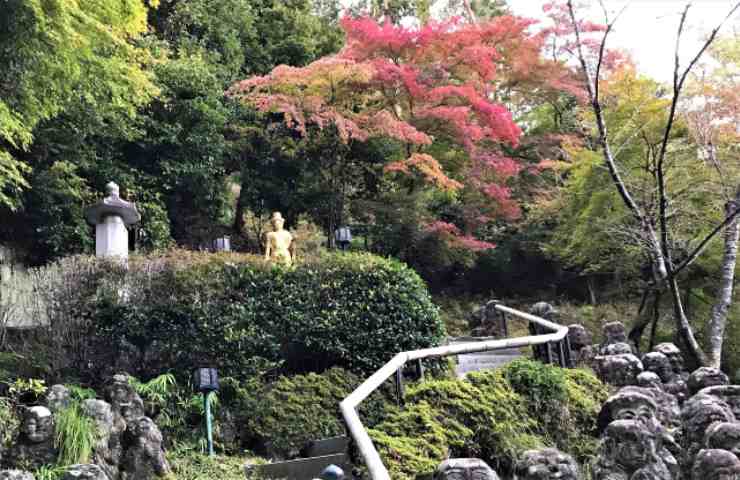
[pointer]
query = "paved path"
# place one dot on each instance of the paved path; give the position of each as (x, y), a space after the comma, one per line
(473, 362)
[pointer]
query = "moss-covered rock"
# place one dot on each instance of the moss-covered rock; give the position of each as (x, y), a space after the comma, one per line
(492, 415)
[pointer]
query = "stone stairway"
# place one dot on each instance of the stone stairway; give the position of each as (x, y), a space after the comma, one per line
(317, 455)
(473, 362)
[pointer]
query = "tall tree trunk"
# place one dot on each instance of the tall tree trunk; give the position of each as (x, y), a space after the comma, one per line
(718, 319)
(239, 226)
(656, 317)
(683, 327)
(591, 289)
(643, 320)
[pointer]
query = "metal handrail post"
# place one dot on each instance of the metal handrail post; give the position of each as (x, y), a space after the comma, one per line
(349, 405)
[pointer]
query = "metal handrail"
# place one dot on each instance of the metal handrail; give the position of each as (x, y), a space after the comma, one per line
(349, 405)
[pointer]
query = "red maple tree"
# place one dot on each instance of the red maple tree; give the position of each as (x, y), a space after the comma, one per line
(442, 82)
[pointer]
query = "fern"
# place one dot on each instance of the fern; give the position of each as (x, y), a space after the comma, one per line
(158, 389)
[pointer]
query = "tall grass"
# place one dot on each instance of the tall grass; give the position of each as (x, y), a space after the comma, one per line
(76, 435)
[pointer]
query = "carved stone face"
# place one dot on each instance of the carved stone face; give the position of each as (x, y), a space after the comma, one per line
(716, 465)
(730, 394)
(649, 380)
(130, 412)
(724, 436)
(617, 349)
(660, 365)
(465, 469)
(628, 404)
(674, 355)
(100, 412)
(578, 336)
(120, 391)
(546, 464)
(630, 444)
(700, 413)
(58, 397)
(146, 432)
(614, 332)
(38, 425)
(620, 370)
(706, 377)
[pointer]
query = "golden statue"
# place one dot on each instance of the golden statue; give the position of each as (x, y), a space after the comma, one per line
(279, 244)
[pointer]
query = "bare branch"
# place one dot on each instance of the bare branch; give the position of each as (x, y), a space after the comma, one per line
(602, 47)
(659, 257)
(703, 244)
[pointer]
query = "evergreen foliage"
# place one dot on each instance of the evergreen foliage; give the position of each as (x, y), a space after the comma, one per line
(493, 415)
(237, 312)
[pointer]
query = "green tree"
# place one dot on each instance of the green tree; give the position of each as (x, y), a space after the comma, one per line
(58, 53)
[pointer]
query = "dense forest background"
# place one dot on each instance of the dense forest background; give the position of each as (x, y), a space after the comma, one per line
(138, 92)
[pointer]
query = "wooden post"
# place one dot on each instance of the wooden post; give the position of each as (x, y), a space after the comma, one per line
(399, 387)
(420, 369)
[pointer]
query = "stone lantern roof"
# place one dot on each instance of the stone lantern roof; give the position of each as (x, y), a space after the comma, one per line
(112, 205)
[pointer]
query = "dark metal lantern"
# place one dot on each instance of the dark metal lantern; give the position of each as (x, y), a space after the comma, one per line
(205, 380)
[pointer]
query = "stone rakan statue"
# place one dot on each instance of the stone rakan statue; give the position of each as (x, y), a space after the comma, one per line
(465, 469)
(279, 244)
(35, 445)
(620, 370)
(628, 451)
(58, 398)
(107, 451)
(546, 464)
(716, 465)
(144, 458)
(126, 404)
(724, 436)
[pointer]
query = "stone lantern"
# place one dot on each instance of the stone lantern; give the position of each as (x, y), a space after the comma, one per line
(111, 217)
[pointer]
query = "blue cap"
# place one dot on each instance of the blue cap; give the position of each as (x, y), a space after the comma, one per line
(332, 472)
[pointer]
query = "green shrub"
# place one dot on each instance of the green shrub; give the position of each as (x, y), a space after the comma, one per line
(284, 415)
(194, 465)
(479, 417)
(493, 415)
(564, 402)
(187, 310)
(414, 440)
(585, 396)
(9, 421)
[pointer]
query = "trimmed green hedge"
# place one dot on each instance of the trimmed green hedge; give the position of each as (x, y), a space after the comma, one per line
(244, 316)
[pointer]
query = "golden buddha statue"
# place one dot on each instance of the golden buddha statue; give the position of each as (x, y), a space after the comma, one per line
(279, 244)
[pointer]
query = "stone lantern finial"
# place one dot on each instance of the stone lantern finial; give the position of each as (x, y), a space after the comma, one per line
(111, 188)
(111, 216)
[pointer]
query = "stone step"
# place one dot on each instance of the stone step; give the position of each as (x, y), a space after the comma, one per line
(326, 446)
(473, 362)
(299, 469)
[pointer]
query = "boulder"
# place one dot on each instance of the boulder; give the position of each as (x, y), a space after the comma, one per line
(84, 472)
(15, 475)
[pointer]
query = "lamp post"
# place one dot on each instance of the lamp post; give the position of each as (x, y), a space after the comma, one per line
(206, 382)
